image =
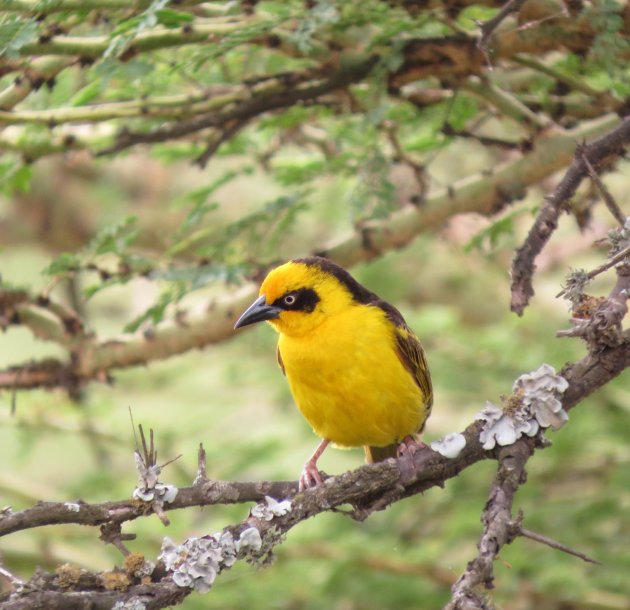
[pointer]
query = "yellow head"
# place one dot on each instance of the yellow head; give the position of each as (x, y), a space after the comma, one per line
(298, 296)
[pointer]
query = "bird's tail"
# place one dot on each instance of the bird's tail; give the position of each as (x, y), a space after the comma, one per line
(378, 454)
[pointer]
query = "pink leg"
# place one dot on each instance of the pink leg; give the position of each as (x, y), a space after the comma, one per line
(310, 475)
(409, 446)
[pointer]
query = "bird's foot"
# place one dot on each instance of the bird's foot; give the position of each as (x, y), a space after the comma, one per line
(310, 476)
(410, 446)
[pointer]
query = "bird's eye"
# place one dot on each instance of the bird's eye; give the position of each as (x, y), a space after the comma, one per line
(289, 299)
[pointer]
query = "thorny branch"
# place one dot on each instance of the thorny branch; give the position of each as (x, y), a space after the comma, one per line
(609, 200)
(554, 544)
(546, 222)
(500, 528)
(303, 87)
(611, 262)
(603, 326)
(366, 489)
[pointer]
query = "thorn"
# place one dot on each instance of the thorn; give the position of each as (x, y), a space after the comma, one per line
(554, 544)
(201, 466)
(162, 466)
(133, 428)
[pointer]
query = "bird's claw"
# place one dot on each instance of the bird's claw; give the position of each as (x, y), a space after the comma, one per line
(410, 446)
(310, 476)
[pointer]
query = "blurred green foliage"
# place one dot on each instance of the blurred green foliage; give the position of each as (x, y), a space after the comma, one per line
(576, 490)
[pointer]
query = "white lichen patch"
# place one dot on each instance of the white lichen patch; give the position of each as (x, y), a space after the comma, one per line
(537, 399)
(503, 428)
(149, 488)
(160, 492)
(249, 541)
(272, 508)
(450, 446)
(72, 506)
(541, 390)
(197, 562)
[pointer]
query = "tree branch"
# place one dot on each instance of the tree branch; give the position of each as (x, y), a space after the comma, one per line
(40, 71)
(508, 104)
(488, 27)
(35, 7)
(93, 47)
(499, 528)
(368, 488)
(523, 266)
(280, 92)
(364, 487)
(484, 194)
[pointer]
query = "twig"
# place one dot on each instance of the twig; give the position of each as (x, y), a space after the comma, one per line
(609, 200)
(36, 8)
(230, 129)
(554, 544)
(449, 130)
(281, 92)
(506, 103)
(487, 27)
(202, 475)
(402, 156)
(14, 580)
(611, 262)
(41, 70)
(603, 327)
(94, 47)
(546, 222)
(111, 533)
(499, 528)
(571, 81)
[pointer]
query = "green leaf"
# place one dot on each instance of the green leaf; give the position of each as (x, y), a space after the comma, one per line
(90, 291)
(490, 237)
(201, 205)
(297, 170)
(243, 238)
(88, 93)
(155, 313)
(15, 32)
(15, 177)
(115, 238)
(173, 19)
(64, 263)
(462, 110)
(128, 29)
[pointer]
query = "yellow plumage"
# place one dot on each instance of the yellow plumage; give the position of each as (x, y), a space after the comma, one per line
(348, 382)
(356, 371)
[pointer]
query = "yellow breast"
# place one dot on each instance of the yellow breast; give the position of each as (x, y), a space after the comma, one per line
(349, 383)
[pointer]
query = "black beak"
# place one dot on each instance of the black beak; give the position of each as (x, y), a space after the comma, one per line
(257, 312)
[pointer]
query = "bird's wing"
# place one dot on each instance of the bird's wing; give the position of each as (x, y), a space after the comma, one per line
(412, 356)
(279, 359)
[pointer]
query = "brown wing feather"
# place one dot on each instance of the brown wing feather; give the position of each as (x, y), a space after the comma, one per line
(279, 359)
(412, 356)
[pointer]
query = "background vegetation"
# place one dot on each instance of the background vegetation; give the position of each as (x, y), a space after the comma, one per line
(159, 157)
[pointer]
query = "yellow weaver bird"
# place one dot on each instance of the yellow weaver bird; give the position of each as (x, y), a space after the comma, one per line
(356, 371)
